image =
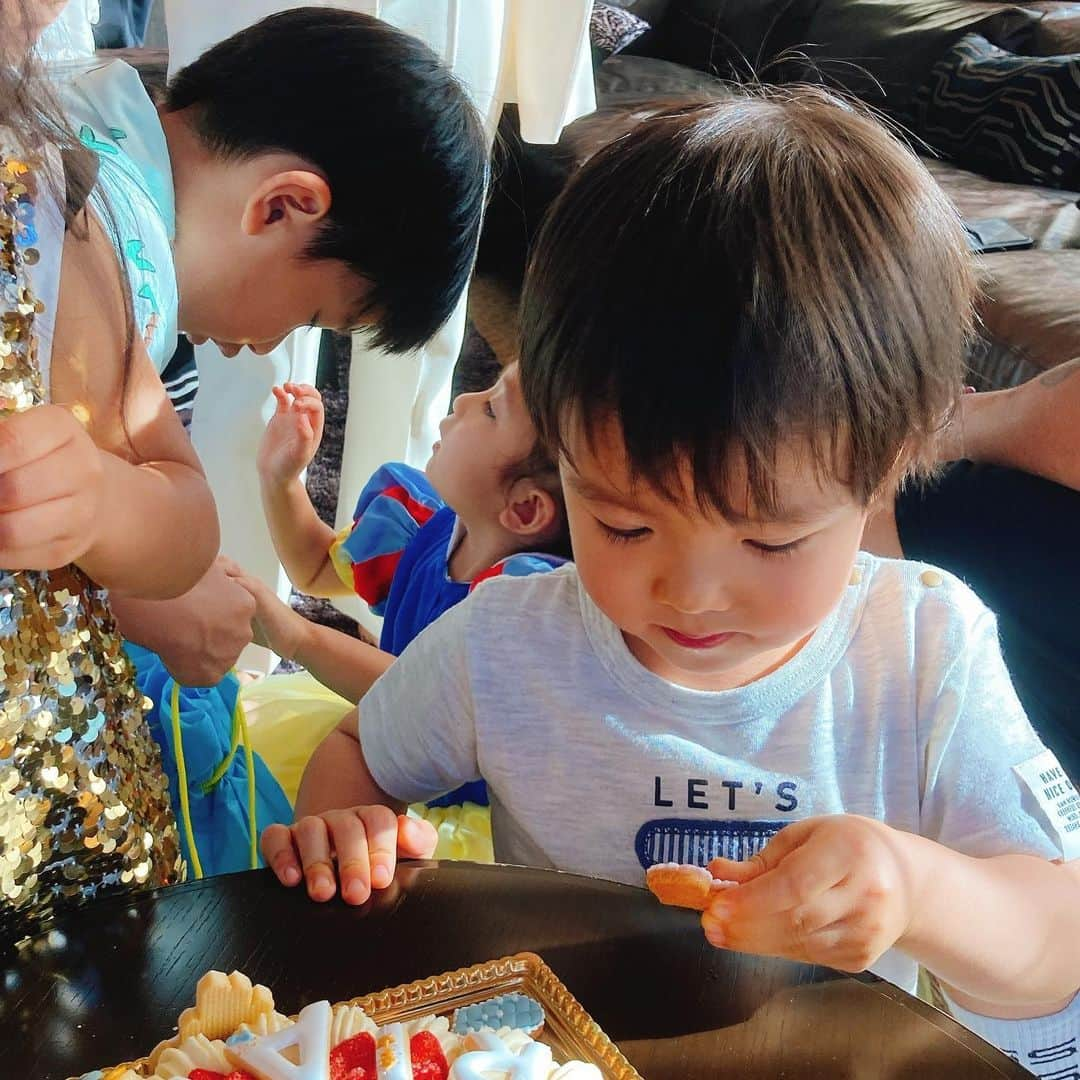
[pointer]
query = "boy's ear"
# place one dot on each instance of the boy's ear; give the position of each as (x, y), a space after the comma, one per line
(297, 197)
(530, 511)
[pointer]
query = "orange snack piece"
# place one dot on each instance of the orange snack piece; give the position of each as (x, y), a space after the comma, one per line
(681, 886)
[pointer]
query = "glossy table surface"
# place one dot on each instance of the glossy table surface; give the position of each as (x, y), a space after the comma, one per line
(110, 981)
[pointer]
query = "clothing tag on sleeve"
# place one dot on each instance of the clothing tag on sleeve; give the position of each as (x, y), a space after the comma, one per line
(1057, 798)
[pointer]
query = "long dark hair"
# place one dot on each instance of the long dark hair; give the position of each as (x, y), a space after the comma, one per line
(33, 119)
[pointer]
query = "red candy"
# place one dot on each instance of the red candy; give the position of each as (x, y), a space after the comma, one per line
(354, 1059)
(428, 1060)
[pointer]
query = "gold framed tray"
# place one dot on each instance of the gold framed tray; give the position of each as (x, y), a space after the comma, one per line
(568, 1029)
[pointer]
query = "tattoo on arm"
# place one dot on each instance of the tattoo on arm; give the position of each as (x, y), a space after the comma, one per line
(1057, 375)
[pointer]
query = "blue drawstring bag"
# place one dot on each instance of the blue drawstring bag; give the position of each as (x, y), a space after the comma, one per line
(223, 795)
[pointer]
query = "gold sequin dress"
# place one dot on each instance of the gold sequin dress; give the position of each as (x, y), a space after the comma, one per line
(84, 806)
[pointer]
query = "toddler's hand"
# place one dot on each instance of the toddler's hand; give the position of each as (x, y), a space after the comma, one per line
(51, 489)
(830, 890)
(273, 624)
(293, 434)
(365, 841)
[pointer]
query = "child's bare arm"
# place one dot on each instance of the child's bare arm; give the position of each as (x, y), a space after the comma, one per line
(1014, 950)
(1003, 933)
(301, 538)
(347, 666)
(338, 776)
(154, 530)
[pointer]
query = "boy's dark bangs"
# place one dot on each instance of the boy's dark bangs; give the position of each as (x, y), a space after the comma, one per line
(648, 314)
(673, 418)
(744, 281)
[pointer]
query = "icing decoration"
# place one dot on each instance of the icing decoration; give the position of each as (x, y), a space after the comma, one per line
(392, 1053)
(493, 1060)
(310, 1033)
(516, 1011)
(349, 1021)
(209, 1074)
(576, 1070)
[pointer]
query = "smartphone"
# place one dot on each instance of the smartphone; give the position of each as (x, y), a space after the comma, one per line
(995, 234)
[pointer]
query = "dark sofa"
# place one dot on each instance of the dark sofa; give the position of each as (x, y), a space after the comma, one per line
(885, 51)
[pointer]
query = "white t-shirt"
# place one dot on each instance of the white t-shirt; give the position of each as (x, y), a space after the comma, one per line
(899, 708)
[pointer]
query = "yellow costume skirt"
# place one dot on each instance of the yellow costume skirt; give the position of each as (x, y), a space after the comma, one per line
(289, 715)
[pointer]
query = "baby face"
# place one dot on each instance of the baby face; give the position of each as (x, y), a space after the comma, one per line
(484, 435)
(703, 602)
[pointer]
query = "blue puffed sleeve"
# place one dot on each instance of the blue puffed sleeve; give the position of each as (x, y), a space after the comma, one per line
(396, 503)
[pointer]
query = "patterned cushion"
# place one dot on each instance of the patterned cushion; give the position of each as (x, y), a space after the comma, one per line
(1008, 117)
(611, 29)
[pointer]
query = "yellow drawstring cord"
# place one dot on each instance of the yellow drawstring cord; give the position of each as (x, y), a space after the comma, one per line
(239, 733)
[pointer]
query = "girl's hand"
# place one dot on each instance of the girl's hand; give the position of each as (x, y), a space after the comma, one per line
(199, 635)
(293, 434)
(830, 890)
(51, 489)
(364, 841)
(274, 624)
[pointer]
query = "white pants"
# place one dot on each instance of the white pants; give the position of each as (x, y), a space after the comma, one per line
(534, 52)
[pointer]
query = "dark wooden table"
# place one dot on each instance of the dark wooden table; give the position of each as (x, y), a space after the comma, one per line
(111, 980)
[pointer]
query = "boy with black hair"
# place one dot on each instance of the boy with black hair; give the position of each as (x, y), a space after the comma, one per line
(268, 169)
(741, 327)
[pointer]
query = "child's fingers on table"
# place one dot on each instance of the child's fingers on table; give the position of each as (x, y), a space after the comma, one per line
(313, 844)
(417, 839)
(279, 851)
(353, 852)
(381, 826)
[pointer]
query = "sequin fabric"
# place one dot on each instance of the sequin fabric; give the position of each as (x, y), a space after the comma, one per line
(84, 806)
